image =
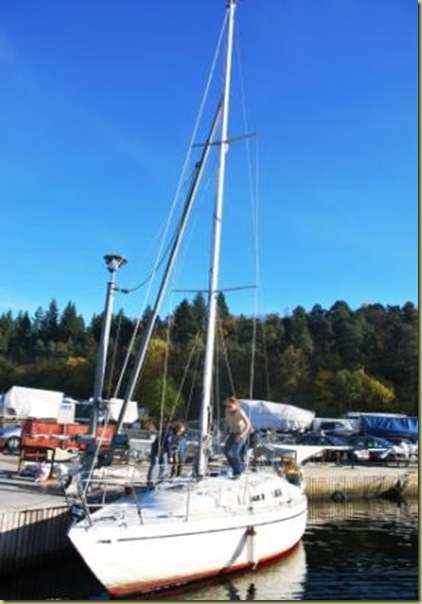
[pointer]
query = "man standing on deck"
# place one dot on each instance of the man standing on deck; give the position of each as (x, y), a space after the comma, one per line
(237, 427)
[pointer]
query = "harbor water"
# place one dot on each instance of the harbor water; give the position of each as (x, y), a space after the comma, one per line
(360, 551)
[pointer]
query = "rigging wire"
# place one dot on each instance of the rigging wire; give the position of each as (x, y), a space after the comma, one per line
(194, 374)
(193, 351)
(254, 204)
(165, 373)
(182, 178)
(163, 419)
(226, 356)
(257, 280)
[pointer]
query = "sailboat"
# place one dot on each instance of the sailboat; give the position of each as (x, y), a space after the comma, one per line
(205, 525)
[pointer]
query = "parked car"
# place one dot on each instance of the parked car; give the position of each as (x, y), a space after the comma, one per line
(406, 443)
(10, 438)
(373, 448)
(335, 448)
(322, 440)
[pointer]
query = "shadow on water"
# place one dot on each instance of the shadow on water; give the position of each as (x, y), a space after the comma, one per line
(224, 584)
(67, 578)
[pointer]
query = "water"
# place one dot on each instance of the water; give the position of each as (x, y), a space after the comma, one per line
(349, 552)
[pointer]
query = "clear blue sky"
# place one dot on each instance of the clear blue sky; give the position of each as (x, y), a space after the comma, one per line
(97, 106)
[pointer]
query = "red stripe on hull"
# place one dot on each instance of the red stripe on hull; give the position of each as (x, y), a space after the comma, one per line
(181, 583)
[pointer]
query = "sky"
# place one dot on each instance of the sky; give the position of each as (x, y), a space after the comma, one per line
(98, 102)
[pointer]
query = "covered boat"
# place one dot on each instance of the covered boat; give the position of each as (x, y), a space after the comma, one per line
(266, 415)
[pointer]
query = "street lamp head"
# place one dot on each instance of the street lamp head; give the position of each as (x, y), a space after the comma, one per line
(114, 262)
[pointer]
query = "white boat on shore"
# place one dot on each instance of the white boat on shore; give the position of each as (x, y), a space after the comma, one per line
(203, 525)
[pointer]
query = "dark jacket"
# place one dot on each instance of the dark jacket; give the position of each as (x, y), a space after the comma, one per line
(162, 444)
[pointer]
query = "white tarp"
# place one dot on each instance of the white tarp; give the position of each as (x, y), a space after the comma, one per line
(23, 402)
(265, 415)
(131, 413)
(343, 423)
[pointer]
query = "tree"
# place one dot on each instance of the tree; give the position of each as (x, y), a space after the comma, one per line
(71, 325)
(162, 400)
(323, 337)
(199, 311)
(185, 324)
(223, 309)
(273, 334)
(293, 378)
(347, 390)
(298, 331)
(50, 325)
(7, 331)
(22, 345)
(348, 330)
(333, 360)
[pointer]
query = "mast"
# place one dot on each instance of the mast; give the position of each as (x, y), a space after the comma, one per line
(215, 257)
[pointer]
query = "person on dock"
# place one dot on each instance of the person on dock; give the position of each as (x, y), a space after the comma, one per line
(237, 427)
(178, 449)
(161, 454)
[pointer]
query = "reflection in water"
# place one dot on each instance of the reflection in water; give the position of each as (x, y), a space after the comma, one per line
(349, 552)
(282, 580)
(405, 511)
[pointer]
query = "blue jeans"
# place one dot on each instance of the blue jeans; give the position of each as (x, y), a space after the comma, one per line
(234, 451)
(162, 463)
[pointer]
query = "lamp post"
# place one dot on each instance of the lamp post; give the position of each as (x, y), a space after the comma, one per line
(113, 263)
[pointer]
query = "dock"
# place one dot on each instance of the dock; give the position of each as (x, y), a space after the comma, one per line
(325, 481)
(34, 517)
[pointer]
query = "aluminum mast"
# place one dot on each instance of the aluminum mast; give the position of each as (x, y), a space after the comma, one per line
(214, 269)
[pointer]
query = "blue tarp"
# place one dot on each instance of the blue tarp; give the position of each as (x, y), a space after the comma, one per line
(385, 427)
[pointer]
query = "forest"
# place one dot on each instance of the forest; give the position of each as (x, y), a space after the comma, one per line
(330, 361)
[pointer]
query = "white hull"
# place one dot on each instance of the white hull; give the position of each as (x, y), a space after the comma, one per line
(183, 532)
